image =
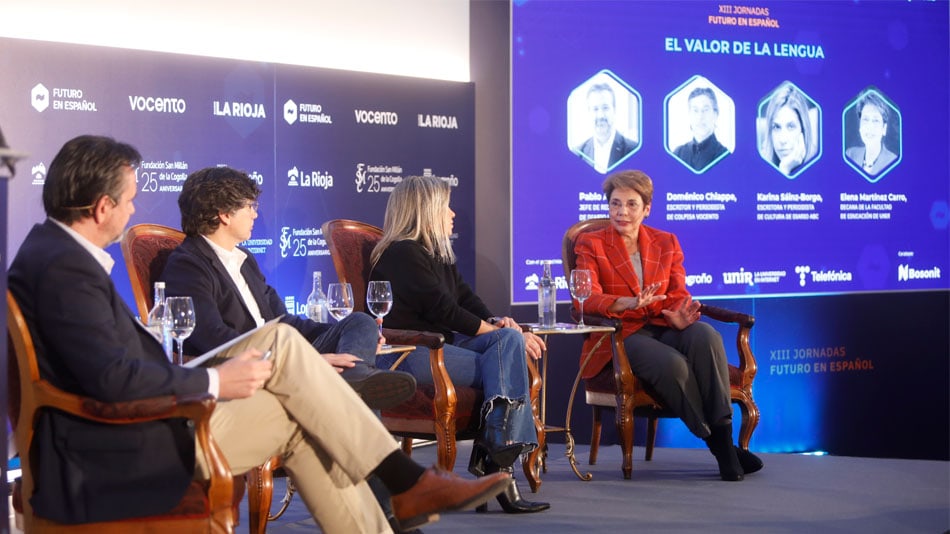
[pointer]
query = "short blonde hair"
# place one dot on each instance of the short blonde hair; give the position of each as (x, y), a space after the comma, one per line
(416, 211)
(635, 180)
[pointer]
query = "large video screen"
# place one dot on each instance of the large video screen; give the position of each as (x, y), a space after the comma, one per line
(795, 147)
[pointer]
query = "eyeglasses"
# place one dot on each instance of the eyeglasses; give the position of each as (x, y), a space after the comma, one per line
(253, 204)
(631, 205)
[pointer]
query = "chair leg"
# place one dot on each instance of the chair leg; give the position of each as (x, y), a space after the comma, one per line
(595, 434)
(260, 493)
(625, 434)
(407, 446)
(651, 436)
(750, 420)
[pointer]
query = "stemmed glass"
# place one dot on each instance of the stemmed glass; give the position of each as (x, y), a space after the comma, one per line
(580, 285)
(340, 300)
(379, 299)
(179, 322)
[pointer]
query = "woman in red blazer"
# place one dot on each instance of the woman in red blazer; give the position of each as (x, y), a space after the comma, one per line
(638, 276)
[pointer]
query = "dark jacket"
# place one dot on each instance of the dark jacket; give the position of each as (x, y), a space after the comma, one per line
(427, 294)
(87, 342)
(194, 270)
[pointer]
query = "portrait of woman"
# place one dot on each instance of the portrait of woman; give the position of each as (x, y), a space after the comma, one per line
(872, 155)
(638, 277)
(790, 136)
(481, 350)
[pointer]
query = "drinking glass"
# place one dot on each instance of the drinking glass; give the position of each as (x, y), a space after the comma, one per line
(379, 299)
(580, 285)
(339, 300)
(179, 322)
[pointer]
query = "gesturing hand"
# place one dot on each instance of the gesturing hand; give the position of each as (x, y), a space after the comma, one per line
(683, 315)
(239, 377)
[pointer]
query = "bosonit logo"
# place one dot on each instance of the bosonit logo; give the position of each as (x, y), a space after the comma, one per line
(906, 273)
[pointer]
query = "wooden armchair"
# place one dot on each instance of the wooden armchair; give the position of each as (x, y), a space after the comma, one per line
(616, 387)
(443, 412)
(206, 505)
(145, 249)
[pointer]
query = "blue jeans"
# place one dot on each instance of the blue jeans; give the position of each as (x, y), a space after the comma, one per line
(356, 334)
(493, 362)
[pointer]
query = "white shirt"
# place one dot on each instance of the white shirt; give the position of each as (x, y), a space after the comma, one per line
(232, 261)
(107, 262)
(602, 153)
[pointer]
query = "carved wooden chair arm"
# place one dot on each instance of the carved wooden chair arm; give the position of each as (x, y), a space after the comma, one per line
(430, 340)
(727, 316)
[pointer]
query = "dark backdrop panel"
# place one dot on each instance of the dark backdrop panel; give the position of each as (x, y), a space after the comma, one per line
(354, 138)
(347, 137)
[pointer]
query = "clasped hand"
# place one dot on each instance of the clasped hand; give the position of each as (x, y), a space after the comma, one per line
(533, 344)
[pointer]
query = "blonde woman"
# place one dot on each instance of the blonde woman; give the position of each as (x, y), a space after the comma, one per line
(482, 350)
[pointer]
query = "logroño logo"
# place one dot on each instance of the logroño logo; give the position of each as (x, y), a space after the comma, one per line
(39, 173)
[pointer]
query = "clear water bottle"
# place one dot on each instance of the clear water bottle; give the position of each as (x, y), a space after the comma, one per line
(156, 318)
(547, 296)
(317, 301)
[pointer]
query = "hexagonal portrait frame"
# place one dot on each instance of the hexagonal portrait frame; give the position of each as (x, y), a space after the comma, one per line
(602, 97)
(881, 127)
(788, 130)
(699, 106)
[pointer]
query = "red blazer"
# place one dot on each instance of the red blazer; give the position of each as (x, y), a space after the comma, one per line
(603, 253)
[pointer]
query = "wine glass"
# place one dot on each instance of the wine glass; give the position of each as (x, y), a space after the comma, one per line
(580, 285)
(339, 300)
(179, 322)
(379, 299)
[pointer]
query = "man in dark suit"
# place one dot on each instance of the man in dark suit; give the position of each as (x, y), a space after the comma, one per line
(607, 146)
(88, 342)
(218, 208)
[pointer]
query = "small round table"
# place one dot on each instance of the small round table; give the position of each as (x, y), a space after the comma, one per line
(534, 462)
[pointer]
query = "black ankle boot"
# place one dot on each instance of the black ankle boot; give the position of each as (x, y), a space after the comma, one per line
(750, 463)
(511, 501)
(493, 445)
(720, 444)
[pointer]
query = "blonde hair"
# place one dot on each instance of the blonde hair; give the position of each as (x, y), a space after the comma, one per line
(416, 211)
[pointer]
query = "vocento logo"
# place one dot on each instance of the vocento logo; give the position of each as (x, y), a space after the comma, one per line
(39, 97)
(290, 111)
(906, 272)
(157, 104)
(385, 118)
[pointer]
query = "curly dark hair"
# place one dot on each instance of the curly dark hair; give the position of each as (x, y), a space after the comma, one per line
(210, 192)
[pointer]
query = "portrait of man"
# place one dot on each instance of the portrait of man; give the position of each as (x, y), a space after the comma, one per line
(607, 145)
(704, 148)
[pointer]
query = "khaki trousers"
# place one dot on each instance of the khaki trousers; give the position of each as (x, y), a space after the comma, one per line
(329, 439)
